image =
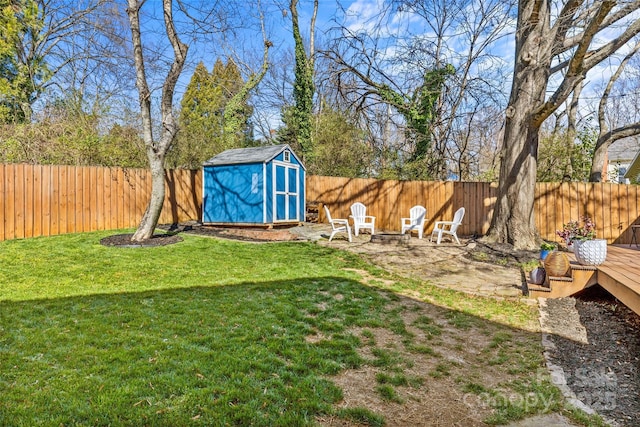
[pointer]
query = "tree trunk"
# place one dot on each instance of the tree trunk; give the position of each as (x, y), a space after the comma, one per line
(156, 150)
(154, 208)
(597, 164)
(513, 219)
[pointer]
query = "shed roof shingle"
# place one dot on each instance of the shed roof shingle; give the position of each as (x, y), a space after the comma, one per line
(246, 155)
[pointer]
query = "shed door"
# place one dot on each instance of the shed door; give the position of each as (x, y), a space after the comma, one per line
(287, 193)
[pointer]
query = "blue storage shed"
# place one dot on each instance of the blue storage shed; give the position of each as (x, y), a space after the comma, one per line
(254, 186)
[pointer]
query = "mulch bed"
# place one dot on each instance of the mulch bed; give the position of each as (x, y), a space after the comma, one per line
(241, 233)
(124, 240)
(171, 237)
(605, 373)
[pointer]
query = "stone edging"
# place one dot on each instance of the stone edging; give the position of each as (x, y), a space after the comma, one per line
(558, 377)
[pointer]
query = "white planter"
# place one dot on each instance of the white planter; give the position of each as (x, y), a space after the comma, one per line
(590, 252)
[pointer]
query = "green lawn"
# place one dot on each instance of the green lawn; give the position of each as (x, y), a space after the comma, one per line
(204, 332)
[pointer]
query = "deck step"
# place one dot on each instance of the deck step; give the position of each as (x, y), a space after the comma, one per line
(536, 291)
(582, 276)
(559, 279)
(619, 275)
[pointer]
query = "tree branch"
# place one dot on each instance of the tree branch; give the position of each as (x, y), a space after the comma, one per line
(576, 68)
(180, 56)
(144, 94)
(571, 42)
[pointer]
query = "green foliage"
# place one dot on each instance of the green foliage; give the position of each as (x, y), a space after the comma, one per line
(441, 370)
(237, 111)
(69, 135)
(362, 416)
(22, 70)
(388, 393)
(202, 116)
(303, 90)
(428, 326)
(339, 148)
(583, 156)
(420, 112)
(287, 133)
(564, 158)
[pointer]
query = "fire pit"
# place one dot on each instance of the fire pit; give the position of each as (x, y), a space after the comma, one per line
(390, 238)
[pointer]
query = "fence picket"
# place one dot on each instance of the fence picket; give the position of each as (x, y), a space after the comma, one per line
(4, 200)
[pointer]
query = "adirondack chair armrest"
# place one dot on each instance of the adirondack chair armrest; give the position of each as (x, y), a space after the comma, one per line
(443, 224)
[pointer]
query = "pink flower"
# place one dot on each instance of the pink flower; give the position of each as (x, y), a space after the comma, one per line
(572, 230)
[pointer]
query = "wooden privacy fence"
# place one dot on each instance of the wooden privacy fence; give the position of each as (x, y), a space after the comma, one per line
(48, 200)
(40, 200)
(613, 207)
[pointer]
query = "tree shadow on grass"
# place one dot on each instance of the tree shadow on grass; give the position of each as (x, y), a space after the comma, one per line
(269, 353)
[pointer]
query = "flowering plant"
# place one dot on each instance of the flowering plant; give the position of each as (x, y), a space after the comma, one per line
(574, 231)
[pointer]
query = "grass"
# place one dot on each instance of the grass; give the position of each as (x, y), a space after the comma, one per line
(214, 332)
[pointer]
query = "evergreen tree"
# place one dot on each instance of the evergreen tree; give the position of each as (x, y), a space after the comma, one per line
(201, 133)
(22, 70)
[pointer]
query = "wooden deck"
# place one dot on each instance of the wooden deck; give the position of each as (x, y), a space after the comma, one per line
(620, 274)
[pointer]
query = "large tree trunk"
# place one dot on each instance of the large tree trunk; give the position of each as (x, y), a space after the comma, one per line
(576, 25)
(513, 219)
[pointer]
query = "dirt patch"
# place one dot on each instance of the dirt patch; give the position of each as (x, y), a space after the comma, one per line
(437, 365)
(472, 267)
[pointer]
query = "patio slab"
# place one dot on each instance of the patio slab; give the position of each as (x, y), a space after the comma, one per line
(446, 265)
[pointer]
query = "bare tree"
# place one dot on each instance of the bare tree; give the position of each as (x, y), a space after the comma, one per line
(233, 109)
(156, 148)
(553, 39)
(608, 136)
(71, 42)
(397, 66)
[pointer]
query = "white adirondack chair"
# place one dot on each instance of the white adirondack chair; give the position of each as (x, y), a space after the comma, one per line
(338, 225)
(415, 220)
(360, 218)
(448, 227)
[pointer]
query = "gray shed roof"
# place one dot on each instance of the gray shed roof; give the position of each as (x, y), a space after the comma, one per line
(247, 155)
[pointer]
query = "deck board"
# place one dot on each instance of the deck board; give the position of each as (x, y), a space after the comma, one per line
(620, 274)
